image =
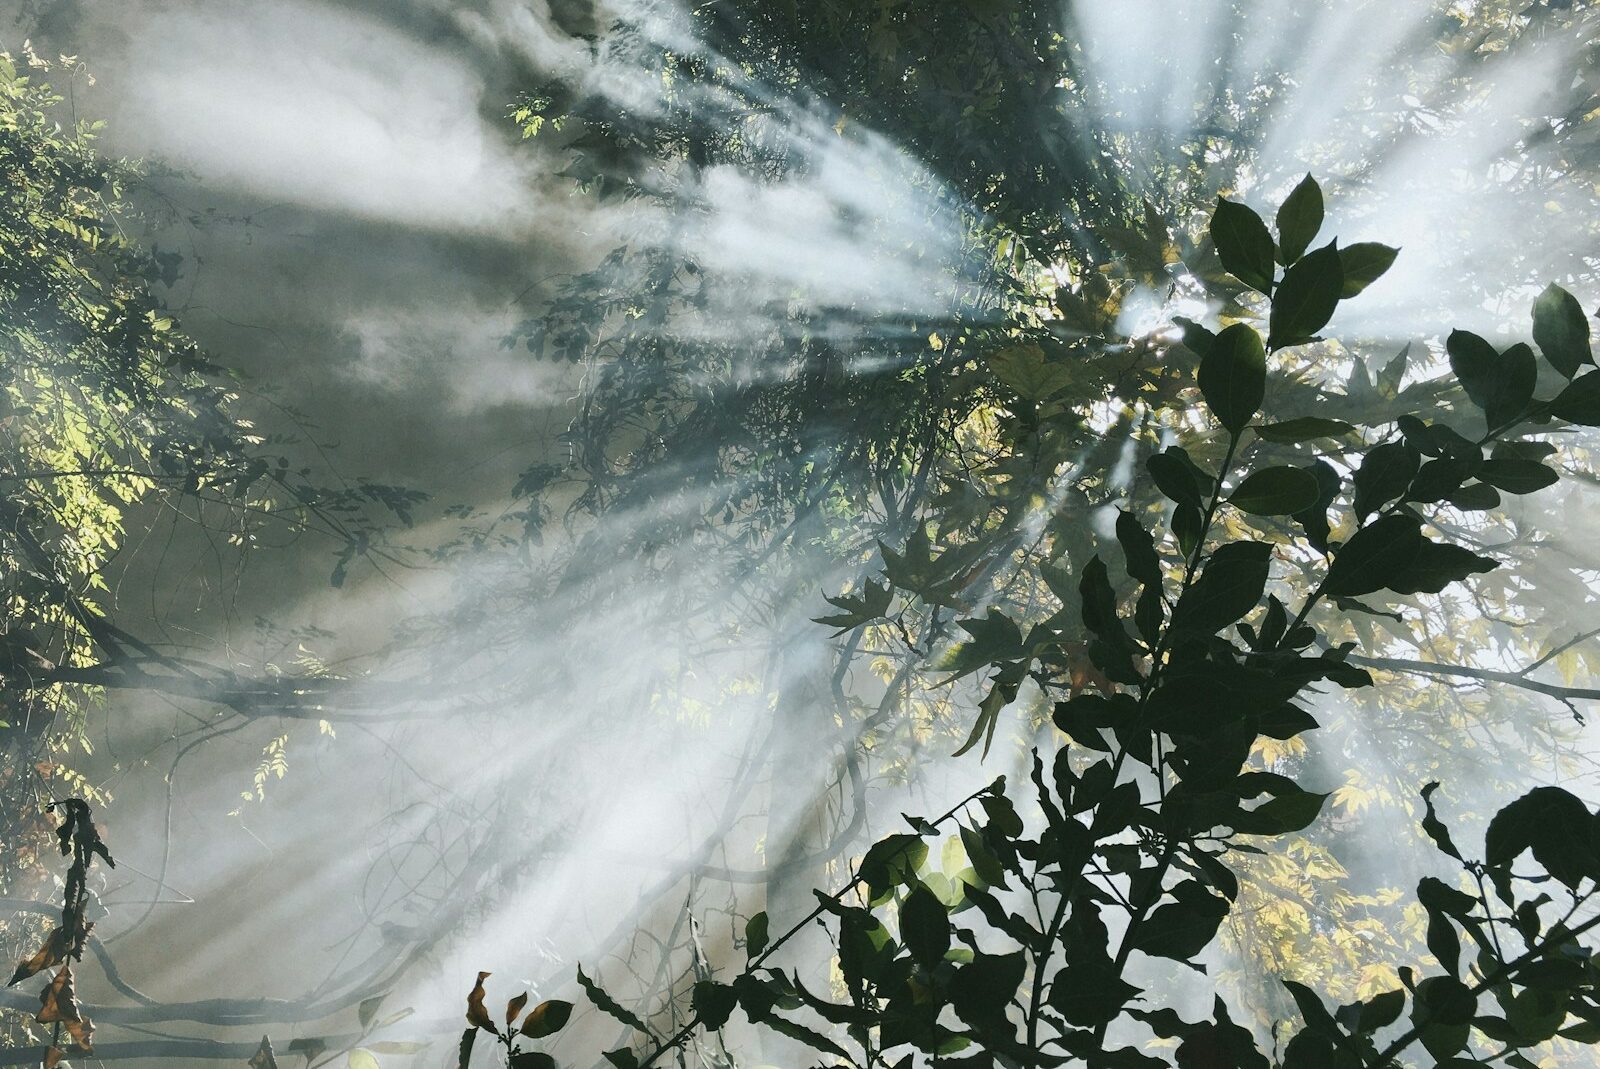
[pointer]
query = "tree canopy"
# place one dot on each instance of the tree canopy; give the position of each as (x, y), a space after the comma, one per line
(954, 385)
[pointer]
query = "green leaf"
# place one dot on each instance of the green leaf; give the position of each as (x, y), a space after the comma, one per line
(1243, 244)
(925, 926)
(1181, 929)
(1315, 519)
(1303, 429)
(891, 860)
(1561, 330)
(1517, 476)
(980, 990)
(1233, 376)
(1374, 557)
(755, 934)
(1089, 993)
(1552, 823)
(606, 1004)
(1479, 497)
(713, 1003)
(1228, 588)
(872, 603)
(1138, 549)
(1434, 827)
(1288, 812)
(1299, 219)
(1363, 264)
(1277, 491)
(1579, 403)
(1501, 384)
(1306, 298)
(1028, 371)
(1384, 475)
(1177, 476)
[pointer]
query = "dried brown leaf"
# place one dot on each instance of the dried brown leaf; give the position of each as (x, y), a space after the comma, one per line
(53, 953)
(58, 1004)
(476, 1014)
(263, 1058)
(514, 1007)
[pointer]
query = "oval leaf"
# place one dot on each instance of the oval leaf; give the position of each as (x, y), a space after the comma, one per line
(1363, 264)
(1243, 244)
(1561, 330)
(1299, 219)
(1233, 376)
(1280, 491)
(1306, 298)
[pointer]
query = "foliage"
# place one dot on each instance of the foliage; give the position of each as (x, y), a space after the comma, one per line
(1138, 820)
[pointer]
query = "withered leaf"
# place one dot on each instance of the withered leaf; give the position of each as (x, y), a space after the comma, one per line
(514, 1007)
(58, 1004)
(476, 1014)
(54, 952)
(263, 1059)
(53, 1056)
(546, 1019)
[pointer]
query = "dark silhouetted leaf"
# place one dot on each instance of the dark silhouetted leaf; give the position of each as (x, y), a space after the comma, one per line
(1244, 244)
(714, 1003)
(1552, 823)
(1303, 429)
(1434, 827)
(531, 1059)
(1299, 219)
(1501, 384)
(755, 934)
(608, 1005)
(1517, 476)
(1580, 402)
(1233, 376)
(1384, 475)
(1183, 928)
(1278, 491)
(1306, 298)
(1177, 476)
(1561, 330)
(1138, 549)
(1375, 556)
(1229, 587)
(1363, 264)
(925, 926)
(547, 1019)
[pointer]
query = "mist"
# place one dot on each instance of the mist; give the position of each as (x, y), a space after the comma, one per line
(578, 752)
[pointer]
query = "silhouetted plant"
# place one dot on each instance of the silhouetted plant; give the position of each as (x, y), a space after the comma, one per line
(1019, 949)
